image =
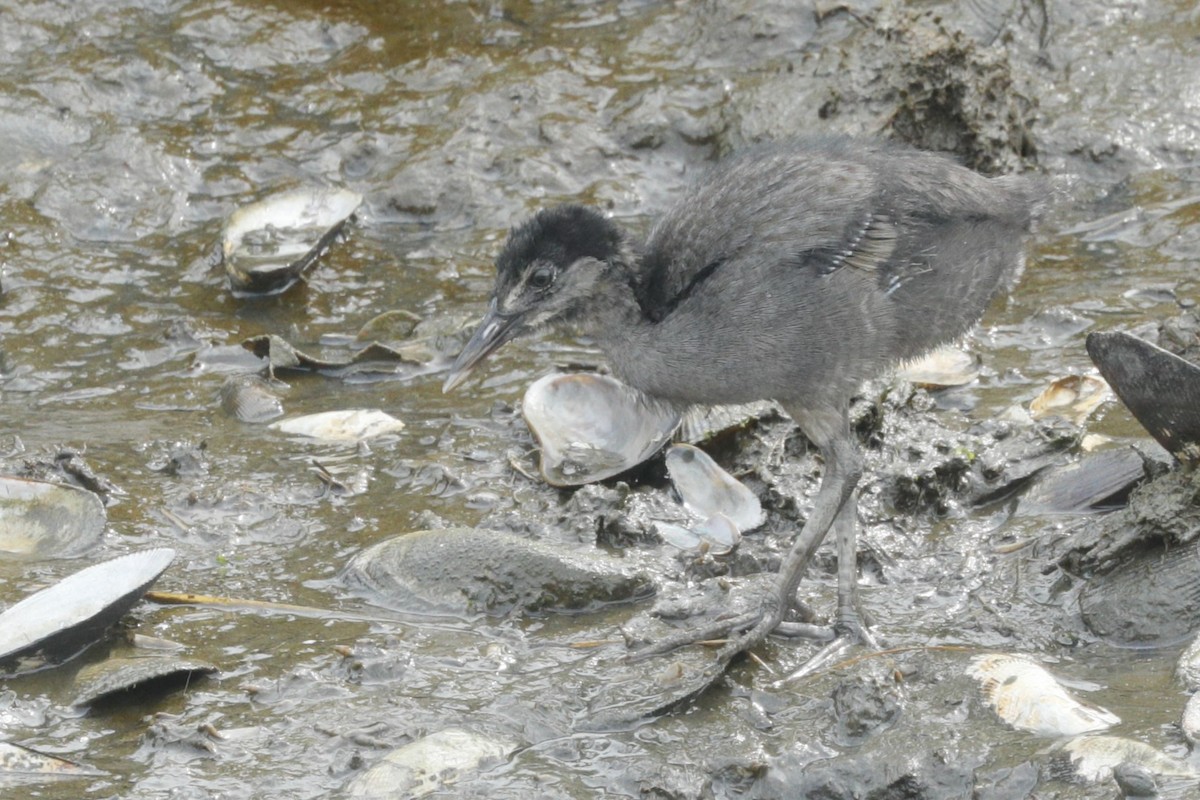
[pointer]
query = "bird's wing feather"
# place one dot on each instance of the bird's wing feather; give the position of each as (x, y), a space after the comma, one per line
(867, 248)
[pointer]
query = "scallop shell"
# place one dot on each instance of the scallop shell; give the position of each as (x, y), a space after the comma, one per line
(428, 765)
(48, 520)
(76, 611)
(1093, 758)
(107, 679)
(592, 427)
(1026, 696)
(707, 490)
(267, 245)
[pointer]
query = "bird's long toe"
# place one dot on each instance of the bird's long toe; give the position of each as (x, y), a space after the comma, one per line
(721, 631)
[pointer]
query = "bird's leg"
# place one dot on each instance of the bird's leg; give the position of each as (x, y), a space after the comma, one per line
(830, 431)
(850, 628)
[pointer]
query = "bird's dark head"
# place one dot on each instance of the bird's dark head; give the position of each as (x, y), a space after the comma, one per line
(545, 275)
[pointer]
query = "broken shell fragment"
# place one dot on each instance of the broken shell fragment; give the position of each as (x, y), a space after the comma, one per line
(1027, 697)
(63, 619)
(592, 427)
(107, 680)
(707, 490)
(48, 520)
(350, 425)
(367, 363)
(269, 244)
(1073, 398)
(718, 533)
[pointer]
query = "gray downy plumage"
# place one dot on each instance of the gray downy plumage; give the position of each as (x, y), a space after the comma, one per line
(793, 272)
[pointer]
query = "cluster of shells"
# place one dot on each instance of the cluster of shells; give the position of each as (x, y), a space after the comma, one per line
(1029, 698)
(591, 427)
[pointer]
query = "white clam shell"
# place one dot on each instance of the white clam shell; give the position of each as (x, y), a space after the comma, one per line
(349, 425)
(707, 490)
(718, 532)
(591, 427)
(1029, 698)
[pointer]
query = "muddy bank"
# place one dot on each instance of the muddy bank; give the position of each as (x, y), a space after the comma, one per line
(117, 332)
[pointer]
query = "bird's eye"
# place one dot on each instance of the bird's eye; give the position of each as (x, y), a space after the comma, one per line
(541, 278)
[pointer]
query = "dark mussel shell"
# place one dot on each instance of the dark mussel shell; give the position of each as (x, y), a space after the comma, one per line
(1159, 388)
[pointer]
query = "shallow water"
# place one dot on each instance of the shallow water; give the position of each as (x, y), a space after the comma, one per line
(128, 133)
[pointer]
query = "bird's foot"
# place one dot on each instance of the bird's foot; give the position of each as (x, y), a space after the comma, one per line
(717, 632)
(741, 630)
(848, 632)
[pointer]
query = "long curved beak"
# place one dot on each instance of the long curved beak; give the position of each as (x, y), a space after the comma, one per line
(494, 331)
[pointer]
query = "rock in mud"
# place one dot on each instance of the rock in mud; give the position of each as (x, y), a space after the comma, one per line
(469, 571)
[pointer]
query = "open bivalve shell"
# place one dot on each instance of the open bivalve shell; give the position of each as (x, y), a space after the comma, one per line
(48, 520)
(1029, 698)
(269, 244)
(63, 619)
(592, 427)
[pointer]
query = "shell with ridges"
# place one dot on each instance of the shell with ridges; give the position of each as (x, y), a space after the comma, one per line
(108, 679)
(75, 611)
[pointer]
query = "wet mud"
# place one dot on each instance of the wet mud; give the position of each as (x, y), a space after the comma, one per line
(130, 132)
